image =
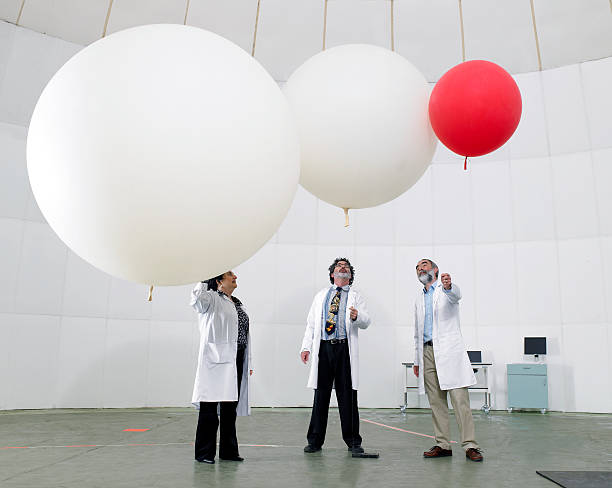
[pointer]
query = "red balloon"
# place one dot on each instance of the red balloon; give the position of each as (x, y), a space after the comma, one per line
(475, 108)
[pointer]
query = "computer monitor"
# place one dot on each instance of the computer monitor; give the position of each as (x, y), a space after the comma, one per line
(535, 345)
(475, 356)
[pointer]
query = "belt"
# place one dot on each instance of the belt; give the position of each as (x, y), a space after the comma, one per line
(428, 343)
(334, 341)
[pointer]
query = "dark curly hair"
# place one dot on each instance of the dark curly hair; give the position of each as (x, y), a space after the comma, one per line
(213, 283)
(333, 266)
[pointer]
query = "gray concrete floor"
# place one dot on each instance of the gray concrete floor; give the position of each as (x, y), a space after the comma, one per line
(89, 448)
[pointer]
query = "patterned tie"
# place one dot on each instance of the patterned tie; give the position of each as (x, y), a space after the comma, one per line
(332, 316)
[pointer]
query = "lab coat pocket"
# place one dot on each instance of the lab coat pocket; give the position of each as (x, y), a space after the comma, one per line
(218, 353)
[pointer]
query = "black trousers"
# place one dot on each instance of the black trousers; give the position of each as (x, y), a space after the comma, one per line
(334, 367)
(209, 422)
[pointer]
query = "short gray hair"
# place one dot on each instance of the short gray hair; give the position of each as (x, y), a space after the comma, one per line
(433, 265)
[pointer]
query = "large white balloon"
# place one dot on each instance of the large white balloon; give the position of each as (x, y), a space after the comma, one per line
(365, 136)
(163, 154)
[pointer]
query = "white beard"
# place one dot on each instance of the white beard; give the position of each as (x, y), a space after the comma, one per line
(342, 276)
(427, 277)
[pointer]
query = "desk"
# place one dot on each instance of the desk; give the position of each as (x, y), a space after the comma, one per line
(476, 366)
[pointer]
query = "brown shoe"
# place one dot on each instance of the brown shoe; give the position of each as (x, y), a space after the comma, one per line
(437, 451)
(473, 454)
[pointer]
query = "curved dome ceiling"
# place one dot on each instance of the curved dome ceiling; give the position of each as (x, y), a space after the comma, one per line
(520, 35)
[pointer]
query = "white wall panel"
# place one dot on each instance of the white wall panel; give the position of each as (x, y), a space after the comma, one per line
(452, 208)
(532, 199)
(14, 185)
(86, 289)
(374, 226)
(169, 374)
(538, 291)
(374, 276)
(582, 299)
(300, 225)
(42, 271)
(606, 250)
(491, 202)
(413, 213)
(495, 282)
(129, 300)
(34, 59)
(574, 194)
(590, 379)
(530, 139)
(293, 283)
(596, 78)
(11, 236)
(81, 362)
(602, 172)
(126, 363)
(33, 361)
(565, 111)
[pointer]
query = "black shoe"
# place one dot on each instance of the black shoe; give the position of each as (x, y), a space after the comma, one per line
(207, 461)
(357, 449)
(235, 458)
(310, 448)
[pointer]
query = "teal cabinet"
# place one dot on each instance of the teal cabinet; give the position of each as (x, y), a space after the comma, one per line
(527, 386)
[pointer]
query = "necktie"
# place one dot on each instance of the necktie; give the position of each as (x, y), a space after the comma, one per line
(332, 315)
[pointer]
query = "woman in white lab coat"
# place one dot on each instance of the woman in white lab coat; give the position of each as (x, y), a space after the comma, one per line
(224, 366)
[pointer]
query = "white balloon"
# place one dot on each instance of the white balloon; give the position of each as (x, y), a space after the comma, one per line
(163, 154)
(363, 124)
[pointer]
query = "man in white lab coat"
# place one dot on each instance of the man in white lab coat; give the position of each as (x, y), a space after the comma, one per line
(331, 342)
(441, 363)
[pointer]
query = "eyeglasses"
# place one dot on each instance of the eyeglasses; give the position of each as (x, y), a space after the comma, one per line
(342, 266)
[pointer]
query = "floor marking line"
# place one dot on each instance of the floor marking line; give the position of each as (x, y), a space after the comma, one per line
(401, 430)
(131, 445)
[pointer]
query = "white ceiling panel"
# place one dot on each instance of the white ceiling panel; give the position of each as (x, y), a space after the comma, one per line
(9, 10)
(359, 21)
(129, 13)
(428, 34)
(571, 31)
(289, 32)
(502, 32)
(78, 21)
(232, 19)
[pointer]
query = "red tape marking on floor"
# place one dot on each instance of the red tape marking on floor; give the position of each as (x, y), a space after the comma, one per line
(135, 430)
(401, 430)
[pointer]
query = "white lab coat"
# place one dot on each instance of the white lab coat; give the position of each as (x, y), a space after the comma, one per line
(452, 362)
(312, 336)
(216, 377)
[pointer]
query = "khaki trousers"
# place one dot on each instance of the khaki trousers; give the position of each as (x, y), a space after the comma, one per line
(438, 401)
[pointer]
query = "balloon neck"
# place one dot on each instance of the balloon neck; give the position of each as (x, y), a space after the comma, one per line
(346, 217)
(151, 293)
(465, 164)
